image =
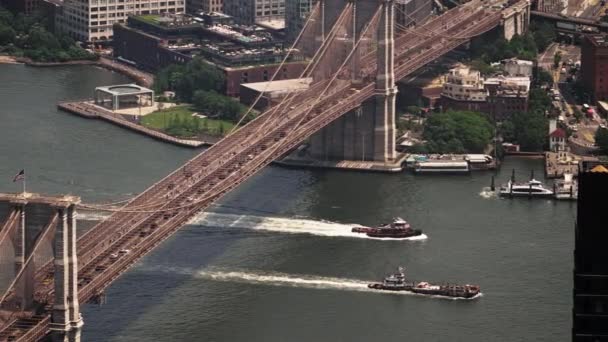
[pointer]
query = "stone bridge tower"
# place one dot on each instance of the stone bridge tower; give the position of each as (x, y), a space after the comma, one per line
(516, 20)
(42, 229)
(368, 132)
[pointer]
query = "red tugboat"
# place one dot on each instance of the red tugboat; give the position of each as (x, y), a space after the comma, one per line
(397, 282)
(398, 229)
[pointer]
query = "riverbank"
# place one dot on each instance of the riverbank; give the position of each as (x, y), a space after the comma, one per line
(142, 78)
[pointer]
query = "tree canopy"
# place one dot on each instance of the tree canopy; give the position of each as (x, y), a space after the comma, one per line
(186, 79)
(529, 129)
(27, 36)
(493, 47)
(216, 105)
(601, 139)
(201, 84)
(457, 132)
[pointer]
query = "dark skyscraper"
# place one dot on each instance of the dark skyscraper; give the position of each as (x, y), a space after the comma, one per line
(590, 313)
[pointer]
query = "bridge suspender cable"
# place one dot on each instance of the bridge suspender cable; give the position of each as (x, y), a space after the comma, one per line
(268, 151)
(311, 66)
(279, 68)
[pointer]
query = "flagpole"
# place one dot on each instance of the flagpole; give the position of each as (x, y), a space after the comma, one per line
(24, 183)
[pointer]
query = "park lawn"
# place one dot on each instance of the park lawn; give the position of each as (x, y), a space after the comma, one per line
(161, 119)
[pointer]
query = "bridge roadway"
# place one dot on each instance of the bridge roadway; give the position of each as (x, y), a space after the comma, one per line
(167, 205)
(571, 19)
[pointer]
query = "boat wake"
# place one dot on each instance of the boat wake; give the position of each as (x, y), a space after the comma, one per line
(266, 223)
(286, 225)
(487, 192)
(302, 281)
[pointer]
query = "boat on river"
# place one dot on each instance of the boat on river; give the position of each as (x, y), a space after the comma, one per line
(398, 229)
(398, 282)
(531, 188)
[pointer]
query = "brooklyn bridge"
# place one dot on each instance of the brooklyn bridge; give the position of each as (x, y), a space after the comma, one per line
(356, 53)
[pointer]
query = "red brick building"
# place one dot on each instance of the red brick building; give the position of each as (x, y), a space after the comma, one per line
(594, 65)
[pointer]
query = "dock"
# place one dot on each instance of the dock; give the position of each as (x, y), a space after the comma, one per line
(349, 165)
(89, 110)
(558, 164)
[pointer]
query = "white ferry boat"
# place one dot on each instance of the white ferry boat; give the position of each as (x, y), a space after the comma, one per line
(532, 188)
(441, 166)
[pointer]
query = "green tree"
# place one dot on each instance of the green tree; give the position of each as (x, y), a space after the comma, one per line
(414, 110)
(457, 132)
(557, 58)
(483, 67)
(601, 139)
(544, 77)
(7, 34)
(186, 79)
(544, 34)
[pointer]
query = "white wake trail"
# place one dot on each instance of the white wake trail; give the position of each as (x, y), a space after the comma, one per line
(287, 225)
(269, 224)
(487, 193)
(302, 281)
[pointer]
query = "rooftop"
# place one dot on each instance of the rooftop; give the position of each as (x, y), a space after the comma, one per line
(514, 60)
(124, 89)
(273, 24)
(558, 133)
(598, 40)
(281, 85)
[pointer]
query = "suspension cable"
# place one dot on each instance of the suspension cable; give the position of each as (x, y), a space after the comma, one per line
(276, 72)
(268, 151)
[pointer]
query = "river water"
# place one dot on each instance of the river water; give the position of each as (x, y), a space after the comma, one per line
(274, 261)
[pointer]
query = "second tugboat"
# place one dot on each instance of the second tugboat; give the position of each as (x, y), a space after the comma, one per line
(398, 229)
(397, 282)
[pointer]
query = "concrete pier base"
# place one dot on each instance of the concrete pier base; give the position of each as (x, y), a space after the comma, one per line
(293, 160)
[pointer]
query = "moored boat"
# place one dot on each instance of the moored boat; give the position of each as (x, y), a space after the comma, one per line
(398, 282)
(397, 229)
(532, 188)
(566, 188)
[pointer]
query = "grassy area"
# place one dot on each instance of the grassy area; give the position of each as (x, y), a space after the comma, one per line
(178, 121)
(149, 18)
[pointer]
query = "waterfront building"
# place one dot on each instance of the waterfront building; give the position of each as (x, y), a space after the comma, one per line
(124, 96)
(590, 311)
(500, 96)
(208, 6)
(515, 67)
(594, 65)
(557, 139)
(93, 20)
(250, 12)
(296, 14)
(244, 53)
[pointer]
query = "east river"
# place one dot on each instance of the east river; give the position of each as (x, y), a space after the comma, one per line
(274, 260)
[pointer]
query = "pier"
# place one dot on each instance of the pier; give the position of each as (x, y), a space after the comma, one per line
(89, 110)
(556, 166)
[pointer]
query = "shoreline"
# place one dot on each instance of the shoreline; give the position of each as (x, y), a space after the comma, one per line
(142, 78)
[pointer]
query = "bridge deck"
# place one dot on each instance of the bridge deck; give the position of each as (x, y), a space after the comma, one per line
(167, 205)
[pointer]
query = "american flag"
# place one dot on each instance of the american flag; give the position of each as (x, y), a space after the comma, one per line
(19, 176)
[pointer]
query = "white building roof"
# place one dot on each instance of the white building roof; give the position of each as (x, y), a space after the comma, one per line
(282, 86)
